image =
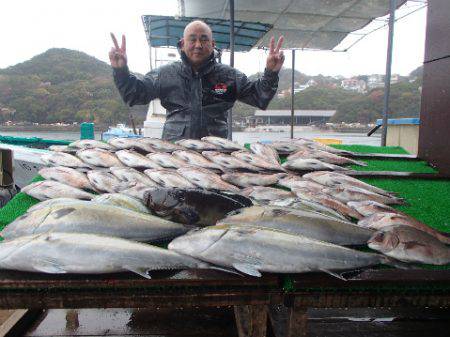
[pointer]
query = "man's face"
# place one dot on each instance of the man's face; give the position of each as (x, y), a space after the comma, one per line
(197, 43)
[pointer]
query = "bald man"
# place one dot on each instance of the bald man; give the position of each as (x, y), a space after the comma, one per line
(197, 91)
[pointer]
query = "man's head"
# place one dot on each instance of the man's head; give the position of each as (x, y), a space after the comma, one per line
(197, 42)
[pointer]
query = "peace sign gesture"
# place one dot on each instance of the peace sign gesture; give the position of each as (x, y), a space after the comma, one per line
(118, 56)
(276, 57)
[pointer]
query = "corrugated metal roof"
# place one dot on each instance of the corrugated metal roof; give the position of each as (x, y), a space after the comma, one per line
(287, 113)
(312, 24)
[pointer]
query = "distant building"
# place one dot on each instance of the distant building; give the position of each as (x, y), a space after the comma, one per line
(301, 117)
(354, 84)
(375, 81)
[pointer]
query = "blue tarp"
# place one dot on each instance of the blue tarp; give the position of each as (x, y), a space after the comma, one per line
(400, 121)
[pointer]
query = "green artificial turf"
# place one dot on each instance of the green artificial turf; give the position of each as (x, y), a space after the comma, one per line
(371, 149)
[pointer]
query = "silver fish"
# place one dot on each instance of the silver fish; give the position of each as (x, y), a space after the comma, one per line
(293, 182)
(169, 178)
(62, 253)
(122, 143)
(48, 189)
(138, 191)
(196, 159)
(328, 201)
(307, 205)
(62, 159)
(223, 143)
(350, 193)
(99, 157)
(160, 145)
(66, 175)
(257, 161)
(56, 201)
(266, 151)
(62, 148)
(197, 145)
(131, 175)
(91, 144)
(134, 159)
(370, 207)
(266, 194)
(254, 250)
(106, 182)
(324, 156)
(284, 146)
(229, 162)
(409, 244)
(205, 179)
(299, 222)
(94, 218)
(335, 179)
(244, 179)
(301, 164)
(166, 160)
(380, 220)
(121, 200)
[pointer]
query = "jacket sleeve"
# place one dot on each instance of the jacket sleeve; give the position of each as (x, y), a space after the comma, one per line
(136, 89)
(258, 93)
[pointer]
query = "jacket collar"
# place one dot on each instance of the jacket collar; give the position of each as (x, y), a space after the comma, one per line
(205, 68)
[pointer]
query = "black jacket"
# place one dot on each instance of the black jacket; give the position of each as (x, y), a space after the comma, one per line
(196, 102)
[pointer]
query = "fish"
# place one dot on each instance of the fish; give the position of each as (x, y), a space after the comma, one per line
(138, 191)
(62, 148)
(197, 145)
(370, 207)
(324, 156)
(257, 161)
(131, 175)
(121, 200)
(229, 162)
(206, 179)
(98, 157)
(196, 159)
(166, 160)
(94, 218)
(300, 164)
(351, 193)
(335, 179)
(312, 145)
(292, 182)
(80, 253)
(192, 206)
(283, 146)
(134, 159)
(223, 143)
(91, 144)
(300, 222)
(49, 189)
(307, 205)
(266, 194)
(381, 220)
(328, 201)
(160, 145)
(62, 159)
(169, 178)
(253, 250)
(104, 181)
(124, 143)
(55, 201)
(265, 151)
(66, 175)
(408, 244)
(244, 179)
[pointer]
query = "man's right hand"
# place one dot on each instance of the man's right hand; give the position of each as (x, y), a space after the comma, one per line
(118, 56)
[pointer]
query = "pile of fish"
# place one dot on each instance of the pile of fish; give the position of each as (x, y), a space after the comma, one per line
(218, 205)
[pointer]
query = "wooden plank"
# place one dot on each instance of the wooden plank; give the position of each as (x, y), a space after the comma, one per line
(297, 323)
(19, 322)
(251, 320)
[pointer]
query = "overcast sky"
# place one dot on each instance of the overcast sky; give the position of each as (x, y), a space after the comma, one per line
(30, 27)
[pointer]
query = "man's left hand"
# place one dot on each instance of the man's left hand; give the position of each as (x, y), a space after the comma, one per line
(276, 57)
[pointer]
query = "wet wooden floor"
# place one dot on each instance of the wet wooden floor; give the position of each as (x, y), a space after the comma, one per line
(218, 322)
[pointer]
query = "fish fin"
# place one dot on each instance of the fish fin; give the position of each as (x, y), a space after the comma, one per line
(358, 162)
(248, 269)
(226, 270)
(329, 272)
(50, 267)
(138, 270)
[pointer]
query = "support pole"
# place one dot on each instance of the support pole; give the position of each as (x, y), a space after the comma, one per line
(387, 79)
(292, 94)
(230, 112)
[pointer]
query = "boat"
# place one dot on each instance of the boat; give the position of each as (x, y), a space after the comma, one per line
(120, 130)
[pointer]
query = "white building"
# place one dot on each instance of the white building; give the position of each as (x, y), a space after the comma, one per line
(354, 84)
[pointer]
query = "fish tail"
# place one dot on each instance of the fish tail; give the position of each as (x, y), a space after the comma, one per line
(443, 237)
(358, 162)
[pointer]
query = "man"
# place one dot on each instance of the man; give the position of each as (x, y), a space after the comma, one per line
(197, 91)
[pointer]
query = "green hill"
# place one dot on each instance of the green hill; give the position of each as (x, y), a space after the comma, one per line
(62, 85)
